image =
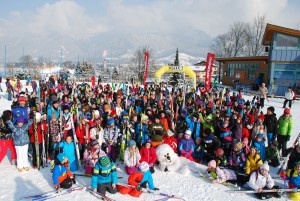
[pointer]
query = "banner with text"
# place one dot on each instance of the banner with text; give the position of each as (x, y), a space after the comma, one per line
(209, 67)
(146, 68)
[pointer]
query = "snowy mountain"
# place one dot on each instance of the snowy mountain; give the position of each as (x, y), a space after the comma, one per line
(184, 59)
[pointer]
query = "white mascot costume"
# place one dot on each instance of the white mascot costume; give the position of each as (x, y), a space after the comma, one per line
(170, 161)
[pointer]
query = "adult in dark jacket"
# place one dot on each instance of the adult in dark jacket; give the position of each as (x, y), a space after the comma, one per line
(270, 123)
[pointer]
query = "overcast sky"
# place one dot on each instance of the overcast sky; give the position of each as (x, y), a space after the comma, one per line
(42, 28)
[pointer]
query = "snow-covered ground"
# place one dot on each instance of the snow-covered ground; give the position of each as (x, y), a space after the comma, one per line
(15, 185)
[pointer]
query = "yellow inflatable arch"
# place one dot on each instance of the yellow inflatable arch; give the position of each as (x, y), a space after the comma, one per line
(172, 69)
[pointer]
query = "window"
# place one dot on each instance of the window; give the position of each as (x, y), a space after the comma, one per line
(231, 72)
(251, 74)
(286, 41)
(238, 75)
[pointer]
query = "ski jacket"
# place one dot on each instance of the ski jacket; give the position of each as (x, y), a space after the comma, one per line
(132, 160)
(68, 149)
(285, 125)
(39, 132)
(187, 145)
(147, 177)
(257, 181)
(103, 175)
(18, 112)
(261, 148)
(88, 156)
(20, 134)
(50, 110)
(294, 157)
(60, 173)
(171, 141)
(224, 175)
(157, 130)
(5, 132)
(237, 159)
(81, 134)
(294, 177)
(111, 133)
(141, 131)
(289, 95)
(253, 163)
(148, 155)
(54, 131)
(271, 123)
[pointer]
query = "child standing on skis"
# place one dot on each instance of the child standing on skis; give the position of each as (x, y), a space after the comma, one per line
(21, 141)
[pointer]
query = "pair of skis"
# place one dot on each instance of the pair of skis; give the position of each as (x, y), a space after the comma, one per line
(224, 183)
(52, 194)
(280, 190)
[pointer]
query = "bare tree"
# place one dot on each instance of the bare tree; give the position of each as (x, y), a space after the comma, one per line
(254, 36)
(237, 35)
(137, 64)
(222, 46)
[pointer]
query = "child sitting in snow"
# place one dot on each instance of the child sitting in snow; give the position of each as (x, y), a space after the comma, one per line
(91, 156)
(237, 158)
(294, 177)
(131, 157)
(170, 140)
(62, 177)
(220, 175)
(148, 154)
(272, 154)
(187, 146)
(253, 161)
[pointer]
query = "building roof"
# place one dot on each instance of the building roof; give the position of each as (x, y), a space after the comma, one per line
(254, 58)
(270, 29)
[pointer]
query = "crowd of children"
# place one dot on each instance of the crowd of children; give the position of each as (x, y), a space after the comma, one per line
(105, 124)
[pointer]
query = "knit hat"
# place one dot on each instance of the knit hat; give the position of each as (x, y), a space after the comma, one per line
(104, 161)
(239, 145)
(287, 110)
(110, 121)
(183, 112)
(188, 132)
(22, 99)
(149, 141)
(219, 152)
(144, 166)
(131, 143)
(94, 143)
(21, 120)
(96, 113)
(144, 118)
(209, 117)
(212, 164)
(260, 135)
(126, 117)
(62, 156)
(38, 116)
(271, 109)
(264, 166)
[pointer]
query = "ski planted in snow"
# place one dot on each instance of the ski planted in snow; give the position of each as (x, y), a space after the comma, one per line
(75, 142)
(36, 143)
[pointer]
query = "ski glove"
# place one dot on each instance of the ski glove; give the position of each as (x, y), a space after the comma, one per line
(73, 180)
(139, 188)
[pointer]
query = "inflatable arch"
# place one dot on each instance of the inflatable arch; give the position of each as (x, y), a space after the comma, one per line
(175, 69)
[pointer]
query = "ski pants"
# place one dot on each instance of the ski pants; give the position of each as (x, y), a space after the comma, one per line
(22, 156)
(34, 157)
(4, 146)
(102, 188)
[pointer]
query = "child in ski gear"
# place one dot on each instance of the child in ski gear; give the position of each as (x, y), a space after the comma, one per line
(221, 158)
(105, 176)
(6, 138)
(148, 154)
(68, 147)
(91, 156)
(272, 154)
(253, 161)
(21, 141)
(111, 133)
(83, 134)
(170, 140)
(294, 157)
(127, 133)
(211, 143)
(37, 128)
(66, 121)
(142, 131)
(62, 176)
(198, 154)
(55, 136)
(270, 123)
(225, 137)
(237, 158)
(294, 180)
(157, 130)
(220, 175)
(131, 157)
(146, 177)
(260, 180)
(187, 146)
(259, 143)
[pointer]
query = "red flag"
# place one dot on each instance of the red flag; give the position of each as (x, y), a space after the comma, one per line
(209, 67)
(146, 68)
